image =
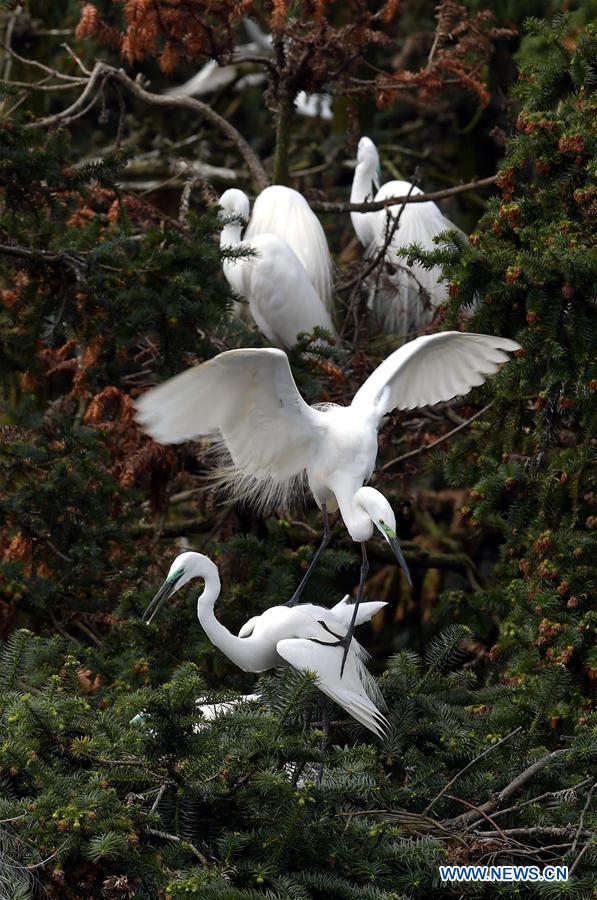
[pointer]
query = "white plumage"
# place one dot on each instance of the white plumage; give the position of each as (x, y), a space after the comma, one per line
(284, 212)
(213, 77)
(404, 298)
(281, 296)
(249, 401)
(305, 638)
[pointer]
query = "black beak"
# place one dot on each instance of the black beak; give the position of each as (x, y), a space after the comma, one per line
(164, 593)
(394, 544)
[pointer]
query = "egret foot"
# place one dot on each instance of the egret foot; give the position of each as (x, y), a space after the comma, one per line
(324, 542)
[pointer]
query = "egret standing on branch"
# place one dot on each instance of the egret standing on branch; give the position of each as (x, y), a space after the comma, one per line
(248, 402)
(405, 298)
(307, 637)
(280, 293)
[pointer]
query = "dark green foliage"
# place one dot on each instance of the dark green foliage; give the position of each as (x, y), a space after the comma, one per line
(533, 267)
(183, 805)
(113, 784)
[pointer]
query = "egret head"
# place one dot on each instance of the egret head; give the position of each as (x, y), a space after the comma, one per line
(382, 515)
(235, 203)
(185, 567)
(368, 158)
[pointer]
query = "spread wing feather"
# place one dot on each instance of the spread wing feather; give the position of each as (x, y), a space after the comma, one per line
(247, 396)
(433, 368)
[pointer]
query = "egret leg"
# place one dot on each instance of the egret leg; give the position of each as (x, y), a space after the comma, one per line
(327, 731)
(360, 592)
(324, 542)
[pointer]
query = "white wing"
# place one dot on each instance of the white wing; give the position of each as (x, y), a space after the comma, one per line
(283, 301)
(208, 79)
(431, 369)
(367, 609)
(284, 212)
(350, 692)
(314, 106)
(247, 395)
(339, 615)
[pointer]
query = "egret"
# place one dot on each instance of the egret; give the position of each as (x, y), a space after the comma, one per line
(272, 440)
(281, 297)
(407, 297)
(213, 77)
(284, 212)
(305, 637)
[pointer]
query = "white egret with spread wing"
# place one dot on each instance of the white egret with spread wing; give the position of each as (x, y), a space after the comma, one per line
(307, 637)
(248, 402)
(405, 298)
(279, 291)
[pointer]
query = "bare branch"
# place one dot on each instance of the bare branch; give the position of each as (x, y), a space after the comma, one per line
(37, 65)
(326, 206)
(468, 766)
(581, 821)
(74, 56)
(103, 72)
(173, 837)
(425, 448)
(64, 117)
(510, 788)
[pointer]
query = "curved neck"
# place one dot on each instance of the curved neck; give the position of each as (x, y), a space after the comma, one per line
(364, 188)
(364, 183)
(355, 517)
(238, 650)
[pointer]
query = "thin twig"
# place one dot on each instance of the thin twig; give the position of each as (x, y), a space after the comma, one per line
(158, 799)
(468, 766)
(173, 837)
(425, 448)
(581, 821)
(580, 855)
(538, 799)
(521, 779)
(40, 66)
(74, 56)
(480, 810)
(102, 72)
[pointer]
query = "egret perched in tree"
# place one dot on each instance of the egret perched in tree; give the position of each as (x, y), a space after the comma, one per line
(306, 637)
(284, 212)
(281, 297)
(405, 298)
(214, 77)
(248, 401)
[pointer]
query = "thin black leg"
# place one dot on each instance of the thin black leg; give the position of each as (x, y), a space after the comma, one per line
(327, 731)
(360, 592)
(325, 541)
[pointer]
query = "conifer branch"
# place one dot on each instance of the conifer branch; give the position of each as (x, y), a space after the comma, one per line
(468, 766)
(521, 779)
